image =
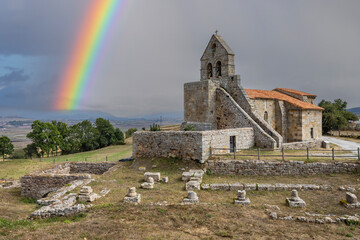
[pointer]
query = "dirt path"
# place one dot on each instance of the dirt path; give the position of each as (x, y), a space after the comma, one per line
(346, 145)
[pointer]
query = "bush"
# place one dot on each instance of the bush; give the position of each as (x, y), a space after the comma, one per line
(130, 132)
(154, 127)
(189, 128)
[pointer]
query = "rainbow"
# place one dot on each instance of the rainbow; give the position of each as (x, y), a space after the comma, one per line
(85, 52)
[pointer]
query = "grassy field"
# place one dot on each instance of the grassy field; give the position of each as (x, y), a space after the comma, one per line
(15, 168)
(216, 217)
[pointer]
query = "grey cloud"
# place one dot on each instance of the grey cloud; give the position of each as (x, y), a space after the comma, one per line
(15, 76)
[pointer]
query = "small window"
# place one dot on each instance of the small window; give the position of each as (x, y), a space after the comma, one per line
(218, 69)
(213, 48)
(266, 116)
(312, 132)
(209, 70)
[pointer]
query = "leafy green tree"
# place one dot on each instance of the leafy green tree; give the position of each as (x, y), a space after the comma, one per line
(45, 136)
(130, 132)
(106, 132)
(335, 116)
(119, 136)
(88, 135)
(6, 147)
(31, 150)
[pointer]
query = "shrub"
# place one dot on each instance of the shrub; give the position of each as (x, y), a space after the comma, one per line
(189, 128)
(154, 127)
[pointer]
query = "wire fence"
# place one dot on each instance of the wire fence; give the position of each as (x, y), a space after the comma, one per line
(286, 154)
(63, 158)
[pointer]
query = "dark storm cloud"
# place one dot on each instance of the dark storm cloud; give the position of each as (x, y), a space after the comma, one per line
(155, 47)
(16, 76)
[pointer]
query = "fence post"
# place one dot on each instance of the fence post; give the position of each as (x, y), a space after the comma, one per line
(359, 154)
(85, 160)
(307, 153)
(283, 154)
(258, 153)
(54, 160)
(210, 151)
(234, 152)
(106, 158)
(333, 154)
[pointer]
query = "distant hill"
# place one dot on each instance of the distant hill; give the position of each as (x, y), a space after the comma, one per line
(355, 110)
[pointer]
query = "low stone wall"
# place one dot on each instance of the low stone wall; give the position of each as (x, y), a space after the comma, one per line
(277, 168)
(38, 186)
(188, 145)
(302, 145)
(93, 168)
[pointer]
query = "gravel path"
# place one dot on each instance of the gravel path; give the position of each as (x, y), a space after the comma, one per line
(347, 145)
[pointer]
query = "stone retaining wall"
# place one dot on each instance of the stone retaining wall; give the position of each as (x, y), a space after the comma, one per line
(189, 145)
(93, 168)
(277, 168)
(302, 145)
(38, 186)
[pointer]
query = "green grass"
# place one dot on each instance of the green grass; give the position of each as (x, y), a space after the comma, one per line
(15, 168)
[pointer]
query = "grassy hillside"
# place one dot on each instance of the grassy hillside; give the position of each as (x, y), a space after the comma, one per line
(15, 168)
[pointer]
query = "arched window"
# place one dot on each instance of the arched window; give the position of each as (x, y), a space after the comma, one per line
(218, 69)
(213, 48)
(266, 116)
(209, 70)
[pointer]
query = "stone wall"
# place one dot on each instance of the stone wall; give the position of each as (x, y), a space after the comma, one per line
(231, 115)
(278, 168)
(189, 145)
(199, 104)
(303, 145)
(93, 168)
(38, 186)
(311, 119)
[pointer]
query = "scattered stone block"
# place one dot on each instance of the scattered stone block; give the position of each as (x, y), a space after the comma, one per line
(186, 176)
(266, 187)
(273, 215)
(295, 201)
(104, 192)
(143, 169)
(149, 184)
(205, 186)
(154, 175)
(294, 186)
(351, 198)
(310, 187)
(220, 186)
(193, 185)
(236, 186)
(191, 198)
(165, 179)
(325, 144)
(132, 197)
(87, 195)
(250, 186)
(242, 199)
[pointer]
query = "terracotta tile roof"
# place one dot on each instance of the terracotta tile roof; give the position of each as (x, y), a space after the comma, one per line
(264, 94)
(296, 92)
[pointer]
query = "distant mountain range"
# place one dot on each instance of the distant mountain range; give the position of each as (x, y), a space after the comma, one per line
(355, 110)
(84, 114)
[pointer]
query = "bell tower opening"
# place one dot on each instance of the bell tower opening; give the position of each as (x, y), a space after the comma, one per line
(209, 70)
(218, 69)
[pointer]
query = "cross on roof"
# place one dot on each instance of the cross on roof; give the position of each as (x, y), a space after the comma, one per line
(216, 32)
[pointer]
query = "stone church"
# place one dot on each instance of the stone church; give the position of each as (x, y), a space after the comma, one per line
(218, 101)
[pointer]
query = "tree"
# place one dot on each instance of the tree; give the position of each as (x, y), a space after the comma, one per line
(106, 132)
(119, 136)
(335, 116)
(31, 150)
(154, 127)
(45, 136)
(6, 147)
(87, 135)
(130, 132)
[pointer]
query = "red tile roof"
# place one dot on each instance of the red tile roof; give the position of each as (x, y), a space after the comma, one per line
(264, 94)
(296, 92)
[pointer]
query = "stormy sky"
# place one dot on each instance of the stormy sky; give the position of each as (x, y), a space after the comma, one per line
(154, 47)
